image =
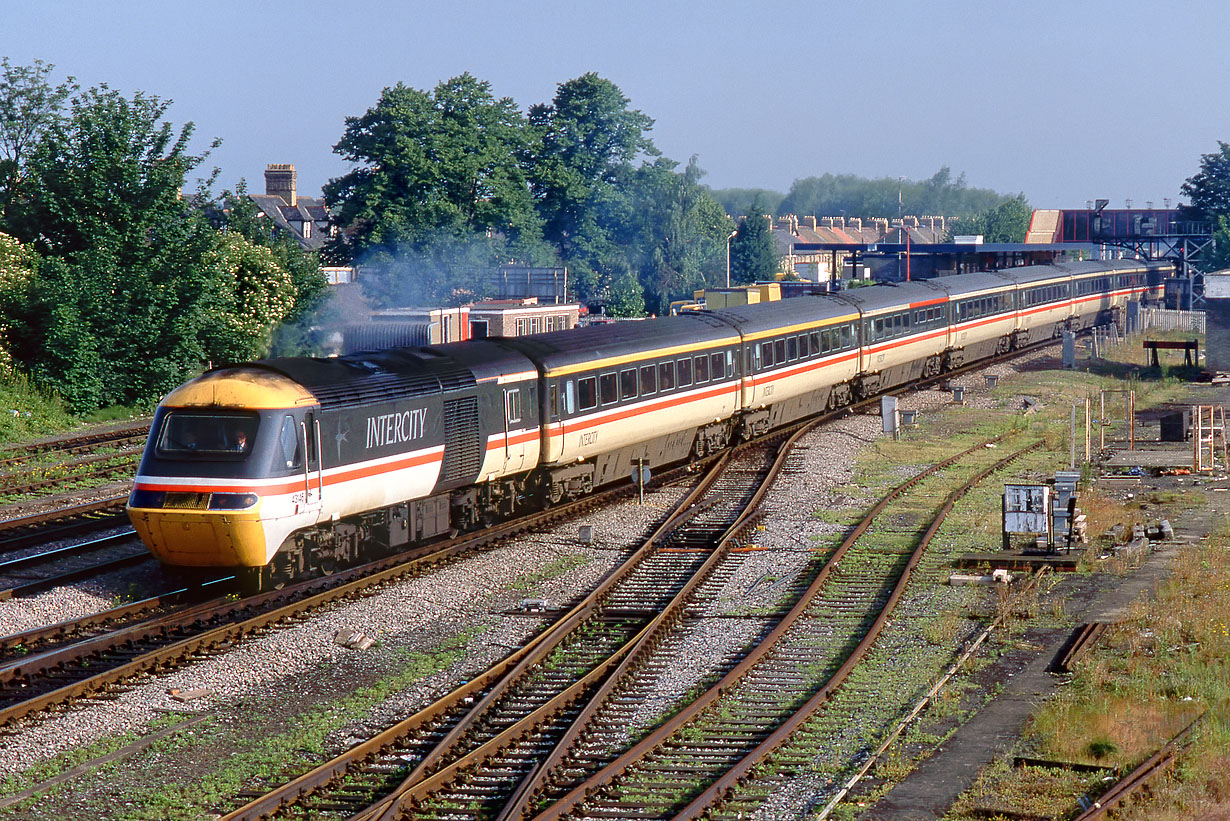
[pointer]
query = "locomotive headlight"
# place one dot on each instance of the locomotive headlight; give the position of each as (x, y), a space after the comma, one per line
(147, 498)
(232, 501)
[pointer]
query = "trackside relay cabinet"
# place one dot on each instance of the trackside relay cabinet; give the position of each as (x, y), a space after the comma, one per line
(1026, 511)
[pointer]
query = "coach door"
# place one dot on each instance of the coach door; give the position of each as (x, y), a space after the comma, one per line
(514, 451)
(313, 471)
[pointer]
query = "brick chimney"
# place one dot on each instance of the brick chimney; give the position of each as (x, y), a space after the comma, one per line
(280, 180)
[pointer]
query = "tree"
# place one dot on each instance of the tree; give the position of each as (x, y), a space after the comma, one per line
(752, 256)
(449, 160)
(1217, 256)
(586, 140)
(134, 289)
(29, 106)
(112, 169)
(679, 239)
(854, 196)
(1209, 188)
(1006, 222)
(735, 200)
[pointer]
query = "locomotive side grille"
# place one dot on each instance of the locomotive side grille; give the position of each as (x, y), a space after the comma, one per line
(187, 501)
(462, 448)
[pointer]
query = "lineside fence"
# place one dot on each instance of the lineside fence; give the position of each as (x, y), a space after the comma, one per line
(1162, 319)
(1105, 337)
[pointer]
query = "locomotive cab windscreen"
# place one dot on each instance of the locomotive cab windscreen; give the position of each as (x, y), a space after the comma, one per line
(192, 435)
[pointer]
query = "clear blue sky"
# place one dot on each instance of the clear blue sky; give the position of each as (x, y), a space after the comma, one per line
(1063, 101)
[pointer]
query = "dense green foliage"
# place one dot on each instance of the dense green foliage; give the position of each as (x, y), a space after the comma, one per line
(1006, 222)
(752, 257)
(113, 288)
(833, 195)
(738, 201)
(448, 184)
(1209, 188)
(1209, 192)
(29, 105)
(433, 163)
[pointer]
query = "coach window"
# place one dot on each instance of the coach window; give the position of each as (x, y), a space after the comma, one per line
(666, 375)
(627, 384)
(587, 393)
(715, 366)
(684, 372)
(766, 355)
(701, 366)
(649, 380)
(897, 325)
(816, 346)
(879, 333)
(826, 341)
(779, 351)
(792, 349)
(847, 336)
(608, 388)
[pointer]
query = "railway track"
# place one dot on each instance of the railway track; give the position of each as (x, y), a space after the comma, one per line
(81, 658)
(499, 767)
(556, 671)
(128, 436)
(72, 520)
(18, 571)
(1139, 779)
(713, 740)
(83, 469)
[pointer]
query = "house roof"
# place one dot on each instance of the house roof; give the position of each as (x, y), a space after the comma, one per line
(291, 218)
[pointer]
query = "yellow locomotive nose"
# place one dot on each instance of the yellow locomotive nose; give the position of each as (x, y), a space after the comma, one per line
(203, 538)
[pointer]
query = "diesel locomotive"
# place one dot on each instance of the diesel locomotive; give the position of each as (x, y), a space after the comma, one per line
(285, 466)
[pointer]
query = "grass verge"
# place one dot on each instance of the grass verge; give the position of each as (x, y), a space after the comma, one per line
(1148, 677)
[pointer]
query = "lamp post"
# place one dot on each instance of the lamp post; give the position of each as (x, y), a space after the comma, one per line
(728, 239)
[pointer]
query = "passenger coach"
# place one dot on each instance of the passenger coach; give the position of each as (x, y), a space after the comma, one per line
(620, 395)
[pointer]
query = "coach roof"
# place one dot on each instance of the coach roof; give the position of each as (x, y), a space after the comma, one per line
(604, 345)
(786, 315)
(894, 296)
(959, 285)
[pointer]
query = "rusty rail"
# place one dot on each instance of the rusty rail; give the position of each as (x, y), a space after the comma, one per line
(1152, 767)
